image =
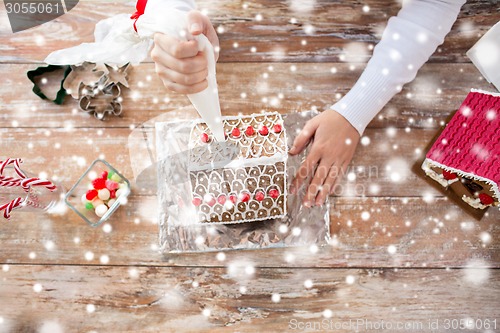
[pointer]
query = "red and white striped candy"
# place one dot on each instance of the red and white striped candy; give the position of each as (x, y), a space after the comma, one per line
(10, 183)
(17, 167)
(34, 181)
(23, 181)
(8, 207)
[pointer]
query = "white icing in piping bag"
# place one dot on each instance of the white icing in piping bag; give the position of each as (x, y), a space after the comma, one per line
(116, 42)
(206, 102)
(174, 23)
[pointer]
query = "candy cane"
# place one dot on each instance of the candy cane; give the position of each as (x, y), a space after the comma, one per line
(10, 206)
(10, 183)
(28, 182)
(17, 167)
(23, 181)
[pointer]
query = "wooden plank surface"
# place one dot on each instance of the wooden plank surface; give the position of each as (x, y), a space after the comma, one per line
(400, 251)
(424, 234)
(276, 37)
(425, 103)
(152, 299)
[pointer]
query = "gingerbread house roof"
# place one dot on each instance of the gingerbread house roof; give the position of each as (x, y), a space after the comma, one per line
(470, 143)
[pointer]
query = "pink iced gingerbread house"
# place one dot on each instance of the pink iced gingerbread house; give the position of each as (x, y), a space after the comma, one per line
(466, 156)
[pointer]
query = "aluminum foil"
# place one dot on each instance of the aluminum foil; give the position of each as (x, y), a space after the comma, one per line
(181, 232)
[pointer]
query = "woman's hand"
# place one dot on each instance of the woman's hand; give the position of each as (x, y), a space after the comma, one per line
(334, 141)
(179, 64)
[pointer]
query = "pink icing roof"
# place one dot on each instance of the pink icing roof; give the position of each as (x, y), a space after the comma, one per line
(471, 140)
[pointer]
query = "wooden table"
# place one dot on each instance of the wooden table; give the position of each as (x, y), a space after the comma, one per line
(436, 273)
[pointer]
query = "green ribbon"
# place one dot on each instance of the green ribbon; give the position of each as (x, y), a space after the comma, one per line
(50, 68)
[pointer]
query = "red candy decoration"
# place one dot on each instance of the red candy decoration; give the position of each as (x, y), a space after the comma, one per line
(249, 131)
(196, 201)
(99, 183)
(104, 174)
(486, 199)
(204, 138)
(277, 128)
(112, 194)
(244, 197)
(233, 199)
(236, 132)
(274, 193)
(264, 130)
(259, 196)
(91, 194)
(449, 175)
(221, 199)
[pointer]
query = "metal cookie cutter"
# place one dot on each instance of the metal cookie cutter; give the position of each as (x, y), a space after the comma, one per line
(100, 100)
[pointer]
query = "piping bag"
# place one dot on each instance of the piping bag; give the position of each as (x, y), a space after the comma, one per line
(205, 102)
(117, 43)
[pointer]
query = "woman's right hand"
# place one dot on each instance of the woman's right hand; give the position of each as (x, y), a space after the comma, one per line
(181, 67)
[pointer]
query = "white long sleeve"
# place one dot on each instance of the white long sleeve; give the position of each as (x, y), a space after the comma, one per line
(407, 43)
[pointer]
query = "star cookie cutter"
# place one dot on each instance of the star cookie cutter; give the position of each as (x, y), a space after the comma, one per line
(101, 98)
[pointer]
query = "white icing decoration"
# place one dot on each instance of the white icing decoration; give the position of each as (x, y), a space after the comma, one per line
(474, 202)
(434, 175)
(485, 92)
(226, 168)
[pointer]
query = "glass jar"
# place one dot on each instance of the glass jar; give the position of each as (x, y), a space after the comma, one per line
(98, 193)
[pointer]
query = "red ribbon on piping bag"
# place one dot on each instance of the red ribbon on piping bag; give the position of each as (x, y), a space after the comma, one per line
(140, 6)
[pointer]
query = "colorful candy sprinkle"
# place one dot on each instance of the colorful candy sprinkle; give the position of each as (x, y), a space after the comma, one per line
(112, 185)
(204, 138)
(119, 192)
(486, 199)
(91, 194)
(277, 128)
(221, 199)
(101, 210)
(235, 133)
(103, 194)
(116, 178)
(449, 175)
(259, 196)
(97, 202)
(249, 131)
(274, 193)
(233, 198)
(263, 130)
(99, 183)
(244, 197)
(210, 200)
(196, 201)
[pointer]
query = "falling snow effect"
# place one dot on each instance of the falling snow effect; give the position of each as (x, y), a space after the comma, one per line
(476, 272)
(397, 171)
(51, 326)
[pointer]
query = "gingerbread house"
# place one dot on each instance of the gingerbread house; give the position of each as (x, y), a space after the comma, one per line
(466, 156)
(244, 178)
